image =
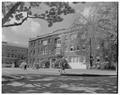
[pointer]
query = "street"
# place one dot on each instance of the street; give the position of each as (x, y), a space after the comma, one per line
(48, 83)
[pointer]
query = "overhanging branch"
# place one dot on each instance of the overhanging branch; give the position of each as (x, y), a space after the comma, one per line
(11, 11)
(15, 24)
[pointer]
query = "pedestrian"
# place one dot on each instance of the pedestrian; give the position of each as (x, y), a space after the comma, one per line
(25, 67)
(98, 63)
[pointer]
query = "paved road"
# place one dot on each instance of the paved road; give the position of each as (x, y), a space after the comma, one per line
(61, 84)
(49, 80)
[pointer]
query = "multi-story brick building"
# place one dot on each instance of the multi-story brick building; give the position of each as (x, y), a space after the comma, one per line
(77, 44)
(44, 47)
(13, 53)
(60, 42)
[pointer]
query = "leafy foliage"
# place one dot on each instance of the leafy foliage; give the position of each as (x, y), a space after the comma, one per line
(102, 18)
(62, 62)
(52, 15)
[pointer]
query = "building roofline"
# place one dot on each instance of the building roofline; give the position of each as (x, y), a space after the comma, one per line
(56, 32)
(13, 44)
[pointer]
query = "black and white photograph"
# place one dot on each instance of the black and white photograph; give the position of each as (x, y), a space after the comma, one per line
(59, 47)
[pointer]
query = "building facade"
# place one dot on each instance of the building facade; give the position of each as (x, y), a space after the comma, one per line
(44, 47)
(61, 42)
(12, 53)
(80, 45)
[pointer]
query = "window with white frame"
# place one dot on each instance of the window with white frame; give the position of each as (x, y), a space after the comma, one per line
(58, 44)
(45, 42)
(44, 52)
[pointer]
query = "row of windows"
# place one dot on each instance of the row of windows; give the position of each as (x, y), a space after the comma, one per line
(16, 50)
(45, 42)
(77, 59)
(74, 48)
(45, 50)
(73, 36)
(57, 40)
(15, 56)
(40, 51)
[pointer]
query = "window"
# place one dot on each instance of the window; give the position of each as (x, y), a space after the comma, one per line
(45, 42)
(40, 49)
(58, 43)
(33, 52)
(58, 51)
(39, 42)
(44, 52)
(31, 43)
(65, 37)
(75, 59)
(49, 40)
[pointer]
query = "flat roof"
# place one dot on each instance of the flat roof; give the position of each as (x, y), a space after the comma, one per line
(13, 44)
(59, 31)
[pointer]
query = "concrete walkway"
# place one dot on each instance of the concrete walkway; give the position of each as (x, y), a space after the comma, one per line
(14, 71)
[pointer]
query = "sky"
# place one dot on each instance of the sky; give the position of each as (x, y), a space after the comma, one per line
(35, 27)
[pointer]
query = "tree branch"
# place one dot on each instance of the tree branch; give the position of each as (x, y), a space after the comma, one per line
(40, 17)
(16, 24)
(10, 12)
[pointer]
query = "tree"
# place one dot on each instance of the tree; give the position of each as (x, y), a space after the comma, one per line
(99, 18)
(16, 13)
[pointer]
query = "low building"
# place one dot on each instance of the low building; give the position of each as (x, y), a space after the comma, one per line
(13, 53)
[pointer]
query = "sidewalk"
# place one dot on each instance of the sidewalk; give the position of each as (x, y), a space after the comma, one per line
(14, 71)
(9, 71)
